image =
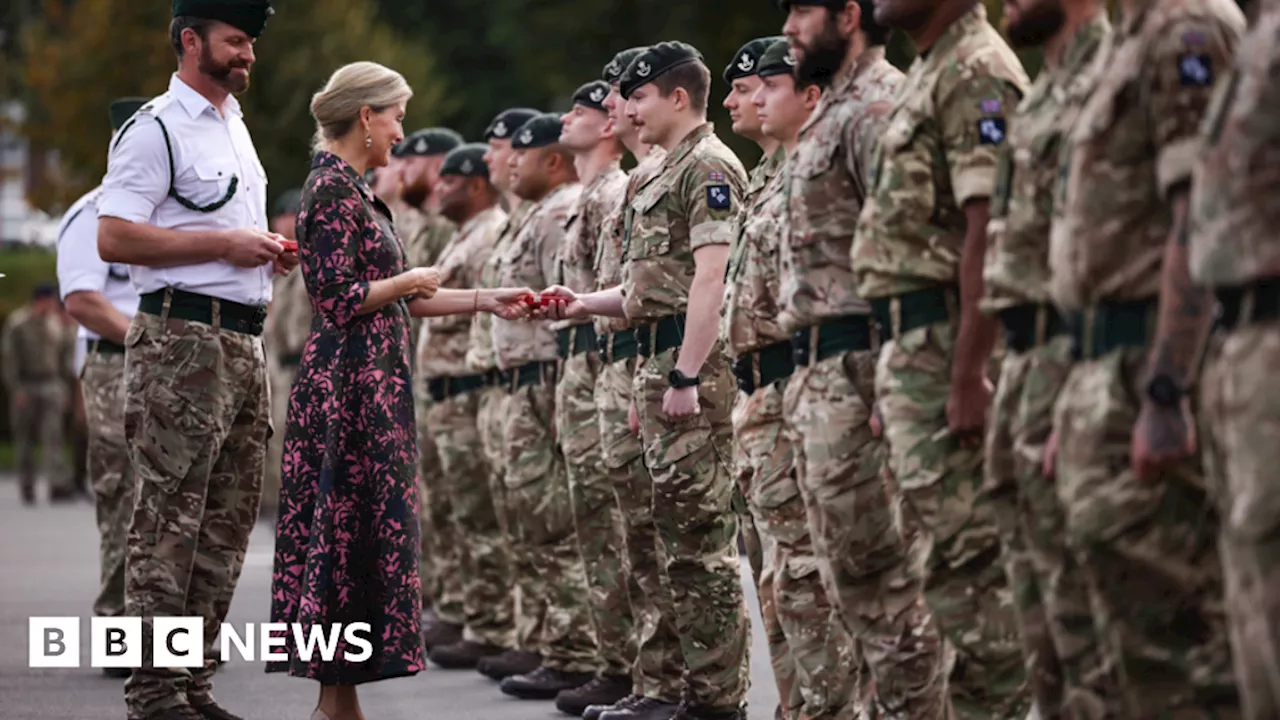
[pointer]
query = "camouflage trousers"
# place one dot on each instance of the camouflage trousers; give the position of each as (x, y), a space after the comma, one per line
(482, 554)
(1241, 449)
(658, 670)
(697, 528)
(281, 377)
(41, 423)
(1148, 549)
(812, 655)
(197, 420)
(529, 608)
(957, 552)
(538, 494)
(441, 563)
(1059, 646)
(597, 520)
(790, 701)
(102, 380)
(860, 540)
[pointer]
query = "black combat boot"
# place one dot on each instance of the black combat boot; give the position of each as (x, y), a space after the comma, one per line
(509, 664)
(544, 683)
(602, 691)
(463, 655)
(643, 709)
(440, 633)
(694, 712)
(593, 712)
(214, 711)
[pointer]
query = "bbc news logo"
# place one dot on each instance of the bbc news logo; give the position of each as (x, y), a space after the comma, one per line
(178, 642)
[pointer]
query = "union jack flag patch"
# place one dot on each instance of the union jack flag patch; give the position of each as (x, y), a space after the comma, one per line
(714, 176)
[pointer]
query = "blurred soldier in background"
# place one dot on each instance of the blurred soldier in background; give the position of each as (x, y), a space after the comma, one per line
(287, 327)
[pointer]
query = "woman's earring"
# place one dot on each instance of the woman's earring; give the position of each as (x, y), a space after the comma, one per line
(368, 140)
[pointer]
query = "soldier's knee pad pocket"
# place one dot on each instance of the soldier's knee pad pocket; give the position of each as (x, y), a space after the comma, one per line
(174, 432)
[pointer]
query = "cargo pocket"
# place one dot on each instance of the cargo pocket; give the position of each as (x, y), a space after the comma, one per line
(174, 433)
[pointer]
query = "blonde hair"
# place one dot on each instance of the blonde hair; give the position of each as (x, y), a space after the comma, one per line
(351, 88)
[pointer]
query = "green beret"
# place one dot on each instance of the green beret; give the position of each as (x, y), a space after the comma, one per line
(613, 71)
(466, 161)
(654, 62)
(123, 109)
(592, 95)
(430, 142)
(507, 122)
(540, 131)
(778, 60)
(247, 15)
(746, 63)
(289, 203)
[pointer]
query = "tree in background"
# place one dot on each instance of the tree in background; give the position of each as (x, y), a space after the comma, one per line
(77, 62)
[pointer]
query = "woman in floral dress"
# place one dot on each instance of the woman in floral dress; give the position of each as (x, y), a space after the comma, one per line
(347, 544)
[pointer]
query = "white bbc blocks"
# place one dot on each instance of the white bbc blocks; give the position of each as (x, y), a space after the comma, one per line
(53, 642)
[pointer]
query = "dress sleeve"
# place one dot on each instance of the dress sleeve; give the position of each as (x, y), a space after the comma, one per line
(332, 252)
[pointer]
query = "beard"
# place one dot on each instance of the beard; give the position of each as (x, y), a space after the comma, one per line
(1037, 23)
(416, 194)
(821, 60)
(221, 73)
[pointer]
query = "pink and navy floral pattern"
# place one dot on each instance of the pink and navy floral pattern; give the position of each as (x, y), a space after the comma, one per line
(347, 544)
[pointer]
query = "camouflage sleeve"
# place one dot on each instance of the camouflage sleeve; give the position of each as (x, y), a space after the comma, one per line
(1185, 60)
(861, 139)
(712, 191)
(552, 237)
(7, 355)
(973, 118)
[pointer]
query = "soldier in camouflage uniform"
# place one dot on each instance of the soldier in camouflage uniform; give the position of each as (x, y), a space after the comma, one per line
(917, 257)
(1232, 220)
(861, 553)
(588, 135)
(659, 661)
(812, 655)
(537, 482)
(491, 415)
(285, 335)
(676, 247)
(1138, 517)
(470, 200)
(32, 351)
(1049, 595)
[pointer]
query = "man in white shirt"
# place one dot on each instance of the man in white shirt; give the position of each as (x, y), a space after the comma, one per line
(102, 300)
(184, 204)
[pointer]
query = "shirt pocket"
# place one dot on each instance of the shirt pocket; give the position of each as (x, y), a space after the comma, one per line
(650, 232)
(213, 180)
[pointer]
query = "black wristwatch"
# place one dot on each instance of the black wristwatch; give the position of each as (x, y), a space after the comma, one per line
(680, 380)
(1165, 392)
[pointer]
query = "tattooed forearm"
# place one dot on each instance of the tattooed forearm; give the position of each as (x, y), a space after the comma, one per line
(1186, 311)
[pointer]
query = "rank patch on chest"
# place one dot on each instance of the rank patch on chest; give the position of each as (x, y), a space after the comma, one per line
(991, 131)
(718, 197)
(1195, 70)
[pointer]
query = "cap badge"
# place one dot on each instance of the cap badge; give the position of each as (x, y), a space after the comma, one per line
(613, 68)
(643, 69)
(597, 95)
(467, 167)
(747, 63)
(500, 130)
(789, 58)
(420, 146)
(526, 137)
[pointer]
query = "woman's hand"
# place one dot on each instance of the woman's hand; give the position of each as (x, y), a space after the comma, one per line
(419, 282)
(506, 303)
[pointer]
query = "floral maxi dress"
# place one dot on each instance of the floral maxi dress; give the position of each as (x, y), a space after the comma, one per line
(347, 543)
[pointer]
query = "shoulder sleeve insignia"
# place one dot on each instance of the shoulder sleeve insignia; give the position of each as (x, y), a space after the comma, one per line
(991, 131)
(718, 197)
(1195, 70)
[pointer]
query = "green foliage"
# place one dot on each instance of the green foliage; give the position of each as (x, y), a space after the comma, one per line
(77, 62)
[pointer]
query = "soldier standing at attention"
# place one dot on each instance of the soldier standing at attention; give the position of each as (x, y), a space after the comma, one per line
(588, 133)
(468, 199)
(1138, 517)
(491, 416)
(861, 550)
(542, 172)
(285, 335)
(101, 298)
(813, 657)
(422, 155)
(1055, 622)
(918, 257)
(656, 683)
(198, 414)
(33, 352)
(676, 246)
(1232, 221)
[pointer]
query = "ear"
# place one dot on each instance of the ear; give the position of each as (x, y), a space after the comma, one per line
(366, 117)
(812, 95)
(849, 20)
(680, 98)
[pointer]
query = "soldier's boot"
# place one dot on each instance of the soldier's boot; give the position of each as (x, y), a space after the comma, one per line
(601, 692)
(182, 712)
(544, 683)
(439, 633)
(594, 712)
(693, 712)
(643, 709)
(213, 711)
(60, 495)
(509, 664)
(28, 494)
(463, 655)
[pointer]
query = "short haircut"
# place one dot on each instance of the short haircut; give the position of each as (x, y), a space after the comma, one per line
(693, 77)
(877, 34)
(185, 22)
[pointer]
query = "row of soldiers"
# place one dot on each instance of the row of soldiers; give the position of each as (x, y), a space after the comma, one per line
(807, 355)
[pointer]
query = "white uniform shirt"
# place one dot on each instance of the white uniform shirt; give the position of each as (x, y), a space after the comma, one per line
(81, 268)
(208, 150)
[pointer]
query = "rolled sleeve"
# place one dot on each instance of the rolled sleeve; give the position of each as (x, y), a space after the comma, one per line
(80, 268)
(137, 179)
(975, 129)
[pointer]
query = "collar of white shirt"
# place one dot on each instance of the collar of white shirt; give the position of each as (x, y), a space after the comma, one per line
(195, 103)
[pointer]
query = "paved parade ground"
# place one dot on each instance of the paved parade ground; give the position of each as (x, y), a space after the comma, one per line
(48, 567)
